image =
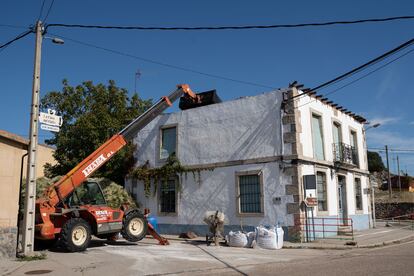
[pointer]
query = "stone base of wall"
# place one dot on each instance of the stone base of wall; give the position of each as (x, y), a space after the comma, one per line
(8, 242)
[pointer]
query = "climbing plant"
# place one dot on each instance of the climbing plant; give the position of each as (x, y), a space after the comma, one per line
(171, 169)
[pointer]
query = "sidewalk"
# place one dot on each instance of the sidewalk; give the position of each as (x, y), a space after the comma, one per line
(379, 236)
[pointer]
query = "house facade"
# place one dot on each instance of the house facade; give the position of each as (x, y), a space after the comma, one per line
(13, 164)
(257, 159)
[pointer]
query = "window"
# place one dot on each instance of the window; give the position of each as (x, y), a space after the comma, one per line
(317, 137)
(358, 194)
(354, 146)
(337, 135)
(168, 198)
(321, 189)
(250, 193)
(168, 142)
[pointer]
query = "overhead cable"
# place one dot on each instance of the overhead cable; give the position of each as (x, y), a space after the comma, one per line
(16, 38)
(359, 68)
(166, 64)
(317, 24)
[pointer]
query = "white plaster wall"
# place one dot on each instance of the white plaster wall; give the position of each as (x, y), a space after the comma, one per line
(217, 191)
(235, 130)
(329, 114)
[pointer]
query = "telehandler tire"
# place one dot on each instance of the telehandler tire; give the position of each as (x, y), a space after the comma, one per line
(75, 235)
(134, 227)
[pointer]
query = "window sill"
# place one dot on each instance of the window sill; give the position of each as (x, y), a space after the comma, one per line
(163, 214)
(250, 214)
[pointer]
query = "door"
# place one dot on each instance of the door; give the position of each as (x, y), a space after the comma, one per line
(342, 204)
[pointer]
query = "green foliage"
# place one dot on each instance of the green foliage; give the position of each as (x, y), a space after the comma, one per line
(35, 257)
(375, 163)
(91, 115)
(171, 169)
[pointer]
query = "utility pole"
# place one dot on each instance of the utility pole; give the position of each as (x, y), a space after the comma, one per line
(389, 176)
(30, 199)
(399, 176)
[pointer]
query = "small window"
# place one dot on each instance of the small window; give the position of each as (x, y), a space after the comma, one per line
(358, 194)
(250, 195)
(317, 137)
(168, 142)
(354, 147)
(321, 189)
(168, 196)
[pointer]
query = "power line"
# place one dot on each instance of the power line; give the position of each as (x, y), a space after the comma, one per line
(359, 68)
(41, 10)
(394, 150)
(13, 26)
(15, 39)
(360, 78)
(48, 11)
(318, 24)
(166, 64)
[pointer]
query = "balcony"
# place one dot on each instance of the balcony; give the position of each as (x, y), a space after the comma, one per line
(345, 155)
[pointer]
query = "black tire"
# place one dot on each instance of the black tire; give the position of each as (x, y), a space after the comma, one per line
(134, 226)
(75, 241)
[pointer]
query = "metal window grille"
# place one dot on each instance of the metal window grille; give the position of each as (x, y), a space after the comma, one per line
(358, 194)
(322, 191)
(168, 142)
(250, 195)
(167, 196)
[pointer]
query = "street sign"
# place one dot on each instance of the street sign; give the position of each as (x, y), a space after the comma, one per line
(311, 201)
(50, 128)
(50, 118)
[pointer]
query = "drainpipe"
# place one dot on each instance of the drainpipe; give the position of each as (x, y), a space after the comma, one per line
(20, 200)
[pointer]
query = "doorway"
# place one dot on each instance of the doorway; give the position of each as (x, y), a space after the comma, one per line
(342, 203)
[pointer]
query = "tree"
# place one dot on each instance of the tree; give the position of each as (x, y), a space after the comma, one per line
(375, 163)
(91, 115)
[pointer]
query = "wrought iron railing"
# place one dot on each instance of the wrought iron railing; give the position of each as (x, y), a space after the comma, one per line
(345, 154)
(317, 228)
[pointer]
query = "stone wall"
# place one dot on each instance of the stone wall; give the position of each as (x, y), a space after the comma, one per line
(389, 210)
(8, 242)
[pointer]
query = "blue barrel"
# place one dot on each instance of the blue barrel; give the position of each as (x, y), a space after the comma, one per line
(153, 220)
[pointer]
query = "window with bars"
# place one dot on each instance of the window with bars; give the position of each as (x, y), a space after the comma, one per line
(167, 198)
(250, 195)
(358, 194)
(321, 189)
(168, 141)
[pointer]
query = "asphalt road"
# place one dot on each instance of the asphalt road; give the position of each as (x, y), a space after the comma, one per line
(192, 258)
(390, 260)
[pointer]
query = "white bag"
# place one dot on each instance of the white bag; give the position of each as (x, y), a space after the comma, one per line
(236, 239)
(279, 237)
(266, 238)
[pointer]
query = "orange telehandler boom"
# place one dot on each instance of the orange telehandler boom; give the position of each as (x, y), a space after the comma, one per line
(55, 215)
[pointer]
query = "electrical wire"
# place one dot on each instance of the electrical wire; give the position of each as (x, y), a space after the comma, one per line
(394, 150)
(166, 64)
(48, 11)
(13, 26)
(41, 10)
(358, 69)
(20, 36)
(358, 79)
(318, 24)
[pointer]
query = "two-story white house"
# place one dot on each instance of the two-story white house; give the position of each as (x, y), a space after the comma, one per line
(258, 159)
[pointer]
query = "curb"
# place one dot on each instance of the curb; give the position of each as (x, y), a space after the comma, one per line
(346, 247)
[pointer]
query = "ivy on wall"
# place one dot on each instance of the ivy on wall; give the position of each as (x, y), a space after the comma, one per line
(170, 170)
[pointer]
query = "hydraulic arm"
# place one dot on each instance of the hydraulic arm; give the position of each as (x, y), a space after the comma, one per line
(66, 185)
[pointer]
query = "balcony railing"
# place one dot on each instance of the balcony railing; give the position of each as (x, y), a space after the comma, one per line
(345, 154)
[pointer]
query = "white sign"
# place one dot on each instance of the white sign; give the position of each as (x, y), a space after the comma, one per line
(50, 118)
(50, 128)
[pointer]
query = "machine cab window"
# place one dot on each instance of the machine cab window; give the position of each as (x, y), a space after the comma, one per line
(89, 193)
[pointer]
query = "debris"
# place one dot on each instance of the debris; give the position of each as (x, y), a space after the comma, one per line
(188, 235)
(203, 98)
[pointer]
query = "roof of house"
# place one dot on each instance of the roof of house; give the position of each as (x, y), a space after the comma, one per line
(321, 98)
(18, 139)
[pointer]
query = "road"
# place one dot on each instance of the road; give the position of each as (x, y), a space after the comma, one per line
(192, 258)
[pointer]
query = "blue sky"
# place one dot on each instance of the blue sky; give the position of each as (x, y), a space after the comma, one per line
(270, 57)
